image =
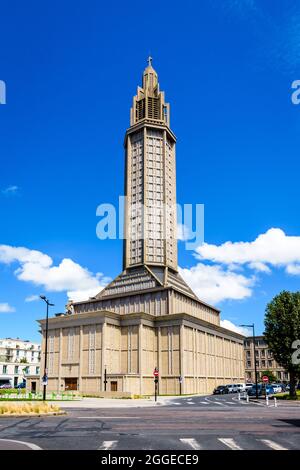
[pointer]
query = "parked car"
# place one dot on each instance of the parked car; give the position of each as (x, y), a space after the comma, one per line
(283, 387)
(220, 390)
(277, 388)
(241, 387)
(248, 386)
(261, 390)
(232, 388)
(5, 386)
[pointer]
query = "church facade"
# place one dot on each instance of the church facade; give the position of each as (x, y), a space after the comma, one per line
(147, 317)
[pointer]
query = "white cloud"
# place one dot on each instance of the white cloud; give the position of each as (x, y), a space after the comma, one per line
(32, 298)
(10, 190)
(273, 248)
(293, 269)
(79, 295)
(6, 308)
(37, 267)
(213, 284)
(238, 329)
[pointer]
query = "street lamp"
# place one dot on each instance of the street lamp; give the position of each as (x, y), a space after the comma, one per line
(45, 378)
(255, 372)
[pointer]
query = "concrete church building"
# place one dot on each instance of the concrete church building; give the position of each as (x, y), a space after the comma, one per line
(148, 316)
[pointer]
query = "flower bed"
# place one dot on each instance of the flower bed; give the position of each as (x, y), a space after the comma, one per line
(10, 409)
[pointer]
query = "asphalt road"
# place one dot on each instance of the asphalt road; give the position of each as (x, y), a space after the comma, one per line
(189, 423)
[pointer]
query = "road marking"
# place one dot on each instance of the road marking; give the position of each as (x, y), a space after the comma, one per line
(28, 444)
(217, 403)
(204, 403)
(190, 403)
(230, 443)
(107, 417)
(230, 403)
(192, 443)
(273, 444)
(108, 445)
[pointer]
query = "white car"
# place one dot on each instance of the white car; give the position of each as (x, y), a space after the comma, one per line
(241, 387)
(249, 386)
(232, 388)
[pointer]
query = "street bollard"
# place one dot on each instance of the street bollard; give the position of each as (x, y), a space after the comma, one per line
(247, 398)
(239, 396)
(267, 400)
(275, 402)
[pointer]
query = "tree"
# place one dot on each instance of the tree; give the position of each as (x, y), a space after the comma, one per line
(282, 333)
(269, 374)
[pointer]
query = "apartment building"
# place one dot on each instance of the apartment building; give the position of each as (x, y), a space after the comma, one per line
(18, 359)
(264, 360)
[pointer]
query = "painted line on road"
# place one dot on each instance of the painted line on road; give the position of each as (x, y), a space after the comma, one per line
(230, 403)
(204, 403)
(27, 444)
(273, 445)
(107, 417)
(190, 403)
(230, 443)
(192, 443)
(108, 445)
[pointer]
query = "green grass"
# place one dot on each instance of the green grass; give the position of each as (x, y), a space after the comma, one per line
(286, 396)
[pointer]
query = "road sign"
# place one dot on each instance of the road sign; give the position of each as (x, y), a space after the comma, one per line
(265, 378)
(155, 372)
(180, 380)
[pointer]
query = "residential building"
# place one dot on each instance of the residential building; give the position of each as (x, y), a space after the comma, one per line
(264, 360)
(18, 359)
(147, 316)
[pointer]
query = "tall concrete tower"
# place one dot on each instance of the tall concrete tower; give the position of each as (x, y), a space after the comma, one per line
(147, 316)
(150, 281)
(150, 221)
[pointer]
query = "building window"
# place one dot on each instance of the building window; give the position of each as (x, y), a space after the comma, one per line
(37, 371)
(4, 369)
(92, 343)
(16, 369)
(71, 341)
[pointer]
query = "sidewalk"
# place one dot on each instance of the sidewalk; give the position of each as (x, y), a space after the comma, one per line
(107, 403)
(118, 402)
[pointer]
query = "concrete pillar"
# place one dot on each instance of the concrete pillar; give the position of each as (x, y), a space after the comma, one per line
(159, 360)
(103, 352)
(182, 371)
(141, 357)
(80, 358)
(59, 360)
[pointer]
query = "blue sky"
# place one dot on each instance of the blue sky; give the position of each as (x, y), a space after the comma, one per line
(71, 71)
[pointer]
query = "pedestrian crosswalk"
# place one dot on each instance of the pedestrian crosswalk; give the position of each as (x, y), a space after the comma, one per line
(203, 442)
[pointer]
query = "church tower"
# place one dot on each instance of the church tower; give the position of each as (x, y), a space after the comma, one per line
(150, 221)
(150, 281)
(147, 316)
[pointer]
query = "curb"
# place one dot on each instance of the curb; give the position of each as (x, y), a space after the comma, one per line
(33, 415)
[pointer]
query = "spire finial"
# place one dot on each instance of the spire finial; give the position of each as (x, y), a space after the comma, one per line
(149, 61)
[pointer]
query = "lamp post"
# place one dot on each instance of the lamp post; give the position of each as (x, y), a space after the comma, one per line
(254, 351)
(45, 377)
